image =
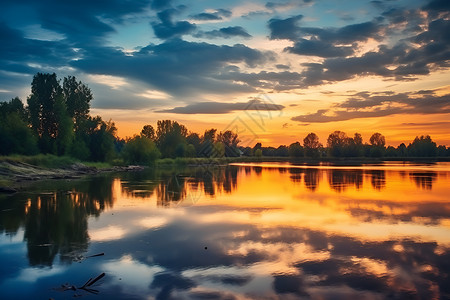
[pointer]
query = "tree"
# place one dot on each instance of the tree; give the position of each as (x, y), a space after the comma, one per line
(77, 97)
(171, 138)
(48, 114)
(296, 150)
(336, 143)
(207, 144)
(218, 150)
(230, 140)
(102, 140)
(15, 135)
(149, 132)
(312, 145)
(377, 141)
(282, 151)
(140, 150)
(194, 140)
(422, 147)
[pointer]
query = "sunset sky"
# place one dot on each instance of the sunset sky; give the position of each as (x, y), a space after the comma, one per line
(271, 71)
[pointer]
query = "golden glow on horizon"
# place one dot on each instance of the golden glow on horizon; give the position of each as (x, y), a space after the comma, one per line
(330, 203)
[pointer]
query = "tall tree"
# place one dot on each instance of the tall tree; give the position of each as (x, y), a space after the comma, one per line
(149, 132)
(312, 145)
(230, 140)
(377, 140)
(77, 97)
(48, 114)
(171, 138)
(336, 143)
(15, 135)
(207, 145)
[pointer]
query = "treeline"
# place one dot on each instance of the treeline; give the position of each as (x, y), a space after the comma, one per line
(339, 145)
(56, 121)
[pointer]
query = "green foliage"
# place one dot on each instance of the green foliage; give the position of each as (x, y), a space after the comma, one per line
(296, 150)
(140, 150)
(77, 97)
(422, 147)
(190, 151)
(149, 132)
(258, 152)
(48, 114)
(15, 135)
(312, 145)
(171, 138)
(230, 141)
(218, 150)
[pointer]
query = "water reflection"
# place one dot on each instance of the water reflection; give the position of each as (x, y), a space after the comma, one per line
(239, 231)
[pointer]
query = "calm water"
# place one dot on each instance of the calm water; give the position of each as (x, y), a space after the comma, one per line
(249, 231)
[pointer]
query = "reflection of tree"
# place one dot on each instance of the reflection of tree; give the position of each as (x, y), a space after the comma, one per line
(56, 222)
(377, 178)
(140, 184)
(175, 185)
(423, 180)
(171, 189)
(296, 174)
(311, 179)
(339, 180)
(257, 170)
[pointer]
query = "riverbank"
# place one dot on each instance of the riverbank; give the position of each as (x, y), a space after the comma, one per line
(15, 171)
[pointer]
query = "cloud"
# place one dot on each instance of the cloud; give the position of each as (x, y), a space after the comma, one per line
(168, 28)
(219, 14)
(175, 66)
(226, 32)
(284, 28)
(323, 42)
(319, 48)
(223, 107)
(367, 105)
(426, 48)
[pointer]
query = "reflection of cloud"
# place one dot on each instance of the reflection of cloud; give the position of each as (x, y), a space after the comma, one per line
(111, 232)
(131, 275)
(34, 274)
(153, 222)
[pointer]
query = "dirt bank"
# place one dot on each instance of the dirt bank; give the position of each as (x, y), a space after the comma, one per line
(12, 173)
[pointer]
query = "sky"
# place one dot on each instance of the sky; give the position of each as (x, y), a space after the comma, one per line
(272, 71)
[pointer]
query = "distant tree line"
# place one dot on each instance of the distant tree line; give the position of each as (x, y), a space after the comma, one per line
(56, 121)
(340, 145)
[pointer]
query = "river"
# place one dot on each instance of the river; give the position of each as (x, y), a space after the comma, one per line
(242, 231)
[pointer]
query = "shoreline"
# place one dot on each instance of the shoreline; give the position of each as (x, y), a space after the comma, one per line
(14, 173)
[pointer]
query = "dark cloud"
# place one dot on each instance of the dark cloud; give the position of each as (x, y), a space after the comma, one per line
(323, 42)
(81, 24)
(278, 81)
(319, 48)
(175, 66)
(219, 14)
(168, 28)
(365, 105)
(226, 32)
(17, 52)
(282, 67)
(284, 28)
(223, 107)
(284, 284)
(160, 4)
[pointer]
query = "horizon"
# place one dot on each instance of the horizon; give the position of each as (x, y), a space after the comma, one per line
(301, 67)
